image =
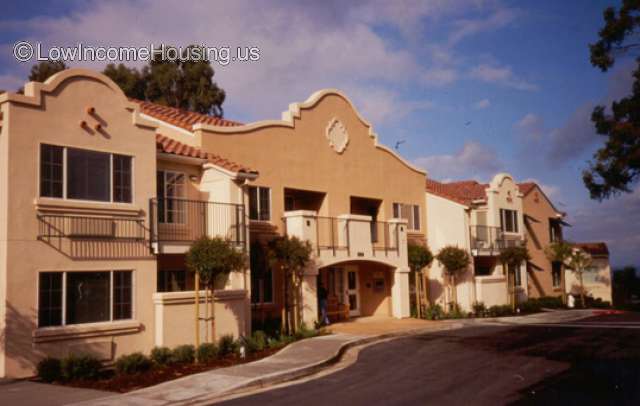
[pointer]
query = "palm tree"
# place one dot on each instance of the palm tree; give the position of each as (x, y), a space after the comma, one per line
(578, 262)
(559, 252)
(419, 257)
(455, 261)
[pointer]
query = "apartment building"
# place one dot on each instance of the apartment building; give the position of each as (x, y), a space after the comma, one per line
(101, 197)
(482, 219)
(543, 226)
(597, 278)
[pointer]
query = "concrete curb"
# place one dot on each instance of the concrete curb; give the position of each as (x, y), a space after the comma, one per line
(301, 372)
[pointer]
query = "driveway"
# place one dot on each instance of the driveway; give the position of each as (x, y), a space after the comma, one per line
(489, 365)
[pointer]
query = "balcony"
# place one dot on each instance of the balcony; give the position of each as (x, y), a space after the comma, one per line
(348, 236)
(94, 237)
(490, 241)
(176, 223)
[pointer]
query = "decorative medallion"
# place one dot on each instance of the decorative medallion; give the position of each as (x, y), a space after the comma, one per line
(337, 135)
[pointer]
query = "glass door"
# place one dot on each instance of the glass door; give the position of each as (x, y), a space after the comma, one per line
(353, 293)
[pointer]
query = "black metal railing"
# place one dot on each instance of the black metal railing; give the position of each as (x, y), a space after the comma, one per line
(93, 237)
(184, 220)
(489, 238)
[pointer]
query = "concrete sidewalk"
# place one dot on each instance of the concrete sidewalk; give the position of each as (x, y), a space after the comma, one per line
(27, 393)
(297, 360)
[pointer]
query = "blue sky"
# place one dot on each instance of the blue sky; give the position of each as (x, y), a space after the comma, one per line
(473, 87)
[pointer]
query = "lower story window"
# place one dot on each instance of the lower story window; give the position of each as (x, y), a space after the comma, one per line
(172, 280)
(556, 272)
(88, 297)
(261, 276)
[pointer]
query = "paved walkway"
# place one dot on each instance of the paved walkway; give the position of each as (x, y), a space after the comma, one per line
(27, 393)
(368, 326)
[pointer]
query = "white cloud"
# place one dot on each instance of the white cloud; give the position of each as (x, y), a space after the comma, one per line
(552, 192)
(439, 76)
(531, 126)
(464, 28)
(501, 75)
(482, 104)
(472, 161)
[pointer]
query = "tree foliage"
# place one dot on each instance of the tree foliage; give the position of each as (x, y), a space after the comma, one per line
(514, 255)
(419, 256)
(578, 262)
(558, 251)
(43, 70)
(453, 259)
(212, 258)
(291, 253)
(616, 165)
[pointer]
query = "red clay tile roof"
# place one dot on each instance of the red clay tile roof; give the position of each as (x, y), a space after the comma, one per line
(526, 187)
(464, 192)
(597, 249)
(181, 118)
(171, 146)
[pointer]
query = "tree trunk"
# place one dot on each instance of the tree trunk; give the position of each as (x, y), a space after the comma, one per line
(206, 312)
(563, 284)
(417, 286)
(424, 280)
(213, 315)
(197, 309)
(581, 290)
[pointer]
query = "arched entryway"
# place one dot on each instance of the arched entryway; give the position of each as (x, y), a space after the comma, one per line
(356, 288)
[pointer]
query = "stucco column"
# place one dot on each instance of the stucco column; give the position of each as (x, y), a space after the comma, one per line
(400, 294)
(310, 296)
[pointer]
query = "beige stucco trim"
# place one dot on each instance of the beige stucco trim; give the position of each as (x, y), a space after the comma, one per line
(47, 334)
(294, 112)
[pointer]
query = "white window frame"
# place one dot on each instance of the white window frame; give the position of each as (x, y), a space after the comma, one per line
(503, 221)
(183, 194)
(64, 297)
(65, 171)
(411, 221)
(258, 208)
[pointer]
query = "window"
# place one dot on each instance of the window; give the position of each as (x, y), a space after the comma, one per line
(483, 270)
(74, 173)
(171, 191)
(409, 212)
(515, 271)
(89, 297)
(261, 276)
(259, 203)
(555, 230)
(172, 281)
(556, 274)
(509, 221)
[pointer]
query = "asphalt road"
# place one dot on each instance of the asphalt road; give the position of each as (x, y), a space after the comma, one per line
(481, 366)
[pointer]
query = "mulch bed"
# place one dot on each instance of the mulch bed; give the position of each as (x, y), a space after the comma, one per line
(125, 383)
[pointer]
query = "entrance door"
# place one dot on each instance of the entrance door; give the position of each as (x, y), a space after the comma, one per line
(353, 294)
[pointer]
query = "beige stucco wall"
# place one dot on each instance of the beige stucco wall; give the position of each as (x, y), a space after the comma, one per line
(4, 173)
(600, 287)
(56, 121)
(537, 206)
(448, 224)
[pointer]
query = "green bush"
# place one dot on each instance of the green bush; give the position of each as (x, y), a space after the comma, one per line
(81, 367)
(271, 326)
(479, 309)
(183, 354)
(455, 312)
(261, 339)
(50, 369)
(434, 312)
(227, 345)
(500, 310)
(305, 332)
(596, 303)
(133, 363)
(251, 344)
(207, 352)
(161, 355)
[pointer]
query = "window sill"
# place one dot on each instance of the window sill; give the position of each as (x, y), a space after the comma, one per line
(64, 205)
(78, 331)
(188, 296)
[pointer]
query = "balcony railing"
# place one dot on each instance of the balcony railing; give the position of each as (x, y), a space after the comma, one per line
(488, 239)
(87, 237)
(183, 220)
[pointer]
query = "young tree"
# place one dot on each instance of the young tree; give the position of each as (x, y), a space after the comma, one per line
(212, 260)
(560, 252)
(616, 165)
(455, 261)
(419, 257)
(512, 257)
(292, 256)
(578, 262)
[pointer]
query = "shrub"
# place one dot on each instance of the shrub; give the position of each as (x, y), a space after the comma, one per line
(434, 312)
(227, 345)
(206, 352)
(161, 355)
(500, 310)
(596, 303)
(50, 369)
(133, 363)
(479, 309)
(305, 332)
(261, 339)
(271, 326)
(80, 367)
(183, 354)
(455, 312)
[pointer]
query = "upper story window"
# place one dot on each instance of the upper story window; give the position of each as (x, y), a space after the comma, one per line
(259, 203)
(171, 187)
(409, 212)
(81, 174)
(555, 230)
(509, 220)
